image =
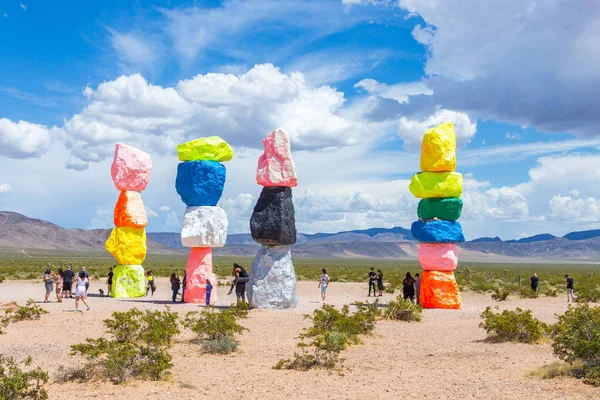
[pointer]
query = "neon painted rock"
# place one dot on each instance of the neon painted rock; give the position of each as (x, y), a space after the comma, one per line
(200, 183)
(211, 148)
(439, 290)
(204, 227)
(128, 281)
(436, 184)
(198, 270)
(272, 279)
(438, 149)
(438, 256)
(438, 231)
(131, 168)
(448, 208)
(275, 166)
(127, 245)
(273, 220)
(130, 210)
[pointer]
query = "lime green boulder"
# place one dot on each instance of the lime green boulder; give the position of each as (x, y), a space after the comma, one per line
(128, 281)
(211, 148)
(426, 185)
(448, 209)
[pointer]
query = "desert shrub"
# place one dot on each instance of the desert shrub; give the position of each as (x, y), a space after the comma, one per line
(576, 339)
(30, 311)
(331, 332)
(549, 291)
(18, 384)
(2, 278)
(500, 294)
(390, 289)
(240, 310)
(589, 292)
(512, 326)
(527, 293)
(137, 347)
(216, 330)
(402, 310)
(558, 369)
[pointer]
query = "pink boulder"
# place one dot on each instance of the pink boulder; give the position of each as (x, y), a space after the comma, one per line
(275, 166)
(131, 168)
(438, 256)
(198, 270)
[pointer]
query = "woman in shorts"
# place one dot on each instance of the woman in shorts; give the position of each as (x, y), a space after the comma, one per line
(48, 283)
(323, 283)
(80, 291)
(59, 285)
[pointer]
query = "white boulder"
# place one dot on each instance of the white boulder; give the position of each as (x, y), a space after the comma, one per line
(204, 226)
(272, 279)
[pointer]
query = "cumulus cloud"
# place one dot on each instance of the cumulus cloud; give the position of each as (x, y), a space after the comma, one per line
(5, 188)
(150, 213)
(573, 210)
(165, 208)
(23, 139)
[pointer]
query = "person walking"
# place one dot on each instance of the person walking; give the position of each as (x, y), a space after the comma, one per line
(48, 283)
(380, 282)
(68, 276)
(151, 286)
(175, 285)
(209, 288)
(534, 282)
(59, 284)
(408, 287)
(418, 288)
(241, 278)
(109, 279)
(570, 284)
(87, 277)
(372, 280)
(81, 291)
(323, 284)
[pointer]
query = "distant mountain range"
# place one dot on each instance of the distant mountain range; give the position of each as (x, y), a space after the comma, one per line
(20, 232)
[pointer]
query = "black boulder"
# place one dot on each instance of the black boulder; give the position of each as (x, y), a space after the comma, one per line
(273, 220)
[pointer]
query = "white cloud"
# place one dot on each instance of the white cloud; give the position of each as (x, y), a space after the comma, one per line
(172, 223)
(104, 219)
(512, 136)
(150, 213)
(23, 139)
(165, 208)
(5, 188)
(135, 50)
(574, 210)
(76, 164)
(399, 92)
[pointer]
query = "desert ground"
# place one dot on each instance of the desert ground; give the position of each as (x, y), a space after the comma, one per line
(442, 357)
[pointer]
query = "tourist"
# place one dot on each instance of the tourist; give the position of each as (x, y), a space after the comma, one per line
(87, 277)
(372, 280)
(570, 283)
(81, 291)
(232, 287)
(68, 276)
(109, 279)
(209, 287)
(323, 283)
(48, 283)
(534, 282)
(151, 285)
(241, 277)
(183, 285)
(418, 288)
(59, 284)
(380, 282)
(408, 287)
(175, 285)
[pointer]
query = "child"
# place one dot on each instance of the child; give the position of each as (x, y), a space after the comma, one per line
(208, 292)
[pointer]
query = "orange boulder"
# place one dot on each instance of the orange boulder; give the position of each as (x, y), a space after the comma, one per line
(130, 211)
(440, 290)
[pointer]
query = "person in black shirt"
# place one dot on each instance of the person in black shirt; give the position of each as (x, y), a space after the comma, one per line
(570, 283)
(534, 282)
(68, 282)
(408, 287)
(380, 282)
(109, 281)
(241, 278)
(372, 281)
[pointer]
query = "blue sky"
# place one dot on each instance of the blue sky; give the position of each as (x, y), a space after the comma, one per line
(355, 82)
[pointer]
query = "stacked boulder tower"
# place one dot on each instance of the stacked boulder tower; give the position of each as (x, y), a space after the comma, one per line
(272, 281)
(437, 230)
(130, 172)
(200, 182)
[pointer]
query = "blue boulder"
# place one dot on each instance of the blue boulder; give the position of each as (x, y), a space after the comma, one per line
(439, 231)
(200, 183)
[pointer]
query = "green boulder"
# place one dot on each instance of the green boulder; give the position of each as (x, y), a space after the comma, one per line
(128, 281)
(211, 148)
(442, 208)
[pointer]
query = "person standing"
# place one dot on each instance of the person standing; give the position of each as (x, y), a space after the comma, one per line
(534, 282)
(241, 278)
(109, 279)
(570, 284)
(323, 283)
(408, 287)
(81, 291)
(209, 287)
(380, 282)
(59, 285)
(418, 288)
(183, 285)
(175, 285)
(87, 277)
(48, 283)
(68, 277)
(372, 280)
(151, 286)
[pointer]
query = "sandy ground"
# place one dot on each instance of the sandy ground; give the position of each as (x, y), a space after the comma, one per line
(442, 357)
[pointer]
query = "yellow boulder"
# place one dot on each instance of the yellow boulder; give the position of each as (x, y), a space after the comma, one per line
(426, 185)
(127, 245)
(438, 149)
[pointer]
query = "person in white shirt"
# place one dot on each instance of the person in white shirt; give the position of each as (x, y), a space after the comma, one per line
(323, 283)
(81, 291)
